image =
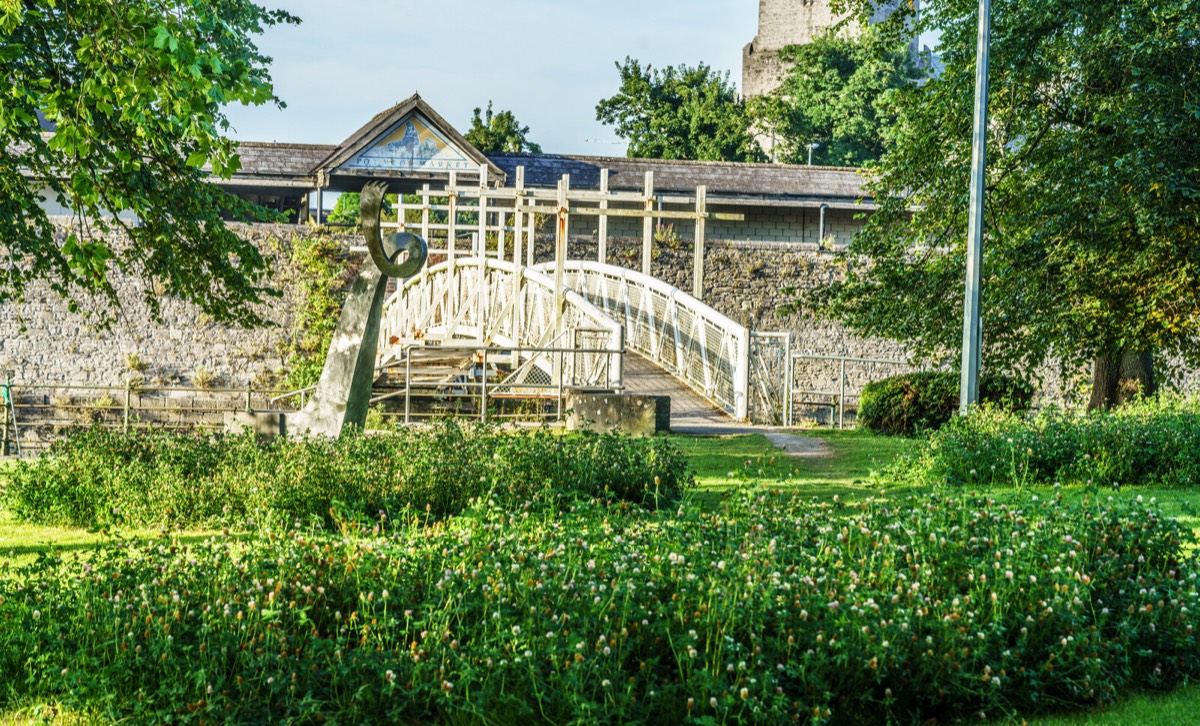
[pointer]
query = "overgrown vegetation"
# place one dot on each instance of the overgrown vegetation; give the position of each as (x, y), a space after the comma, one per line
(679, 112)
(107, 478)
(836, 96)
(137, 108)
(1149, 442)
(770, 610)
(915, 402)
(1101, 269)
(321, 270)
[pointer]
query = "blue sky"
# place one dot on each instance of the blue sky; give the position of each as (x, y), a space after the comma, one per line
(548, 61)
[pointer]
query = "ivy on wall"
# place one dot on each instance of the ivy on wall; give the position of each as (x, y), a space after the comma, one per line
(320, 264)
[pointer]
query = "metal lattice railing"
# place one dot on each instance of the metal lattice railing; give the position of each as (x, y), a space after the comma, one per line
(770, 372)
(494, 302)
(697, 344)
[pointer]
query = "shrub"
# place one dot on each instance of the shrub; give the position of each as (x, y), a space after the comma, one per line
(98, 477)
(770, 610)
(924, 401)
(1152, 441)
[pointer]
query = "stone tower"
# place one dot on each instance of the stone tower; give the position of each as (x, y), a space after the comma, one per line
(788, 22)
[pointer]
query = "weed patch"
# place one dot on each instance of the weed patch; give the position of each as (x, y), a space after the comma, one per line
(99, 478)
(1150, 442)
(769, 610)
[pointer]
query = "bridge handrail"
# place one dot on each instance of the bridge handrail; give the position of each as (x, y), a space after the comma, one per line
(706, 311)
(530, 274)
(732, 394)
(469, 299)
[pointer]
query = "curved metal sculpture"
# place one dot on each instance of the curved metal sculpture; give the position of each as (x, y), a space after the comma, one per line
(344, 391)
(386, 250)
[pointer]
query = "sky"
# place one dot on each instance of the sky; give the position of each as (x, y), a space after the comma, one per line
(547, 61)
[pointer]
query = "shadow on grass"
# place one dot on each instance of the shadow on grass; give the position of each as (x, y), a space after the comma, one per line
(728, 463)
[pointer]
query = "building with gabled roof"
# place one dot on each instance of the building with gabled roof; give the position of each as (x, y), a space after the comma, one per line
(412, 148)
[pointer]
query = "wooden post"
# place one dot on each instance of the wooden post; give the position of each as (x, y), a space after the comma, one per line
(648, 224)
(452, 212)
(518, 252)
(483, 211)
(128, 394)
(698, 261)
(602, 256)
(481, 251)
(425, 213)
(531, 238)
(560, 255)
(501, 234)
(842, 396)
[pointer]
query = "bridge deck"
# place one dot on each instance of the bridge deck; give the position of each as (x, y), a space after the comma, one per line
(690, 413)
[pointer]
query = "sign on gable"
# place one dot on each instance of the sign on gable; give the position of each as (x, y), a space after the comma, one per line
(413, 145)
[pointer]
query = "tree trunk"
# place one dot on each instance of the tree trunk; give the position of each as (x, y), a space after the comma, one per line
(1121, 376)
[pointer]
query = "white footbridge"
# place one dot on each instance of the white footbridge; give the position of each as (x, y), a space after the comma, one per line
(569, 326)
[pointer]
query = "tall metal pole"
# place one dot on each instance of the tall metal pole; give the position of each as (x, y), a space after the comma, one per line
(972, 331)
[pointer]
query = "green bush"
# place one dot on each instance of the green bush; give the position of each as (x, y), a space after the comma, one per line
(915, 402)
(99, 477)
(770, 610)
(1152, 441)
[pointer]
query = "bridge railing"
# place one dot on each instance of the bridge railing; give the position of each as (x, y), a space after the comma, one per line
(702, 347)
(495, 302)
(548, 374)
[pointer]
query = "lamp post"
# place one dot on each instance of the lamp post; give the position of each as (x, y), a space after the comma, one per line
(972, 330)
(810, 147)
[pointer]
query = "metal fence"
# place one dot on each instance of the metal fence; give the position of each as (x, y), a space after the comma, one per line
(826, 388)
(38, 413)
(497, 382)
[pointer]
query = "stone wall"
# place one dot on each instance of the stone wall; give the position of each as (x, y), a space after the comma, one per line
(780, 23)
(42, 342)
(790, 22)
(748, 278)
(751, 282)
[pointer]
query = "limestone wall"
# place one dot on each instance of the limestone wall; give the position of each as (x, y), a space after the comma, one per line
(790, 22)
(750, 278)
(42, 342)
(780, 23)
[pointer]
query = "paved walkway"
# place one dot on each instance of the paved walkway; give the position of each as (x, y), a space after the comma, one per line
(691, 414)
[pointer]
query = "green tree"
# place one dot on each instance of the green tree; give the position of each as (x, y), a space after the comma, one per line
(836, 96)
(346, 209)
(1092, 251)
(679, 113)
(134, 92)
(499, 132)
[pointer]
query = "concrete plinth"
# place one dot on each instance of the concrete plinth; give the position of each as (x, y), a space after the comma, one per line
(613, 412)
(263, 423)
(344, 391)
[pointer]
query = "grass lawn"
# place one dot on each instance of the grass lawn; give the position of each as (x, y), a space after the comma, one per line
(721, 463)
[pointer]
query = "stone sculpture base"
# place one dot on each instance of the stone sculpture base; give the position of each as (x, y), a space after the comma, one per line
(620, 413)
(343, 394)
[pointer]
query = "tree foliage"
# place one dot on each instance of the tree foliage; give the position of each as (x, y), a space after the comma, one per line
(679, 113)
(836, 95)
(499, 132)
(134, 92)
(1092, 248)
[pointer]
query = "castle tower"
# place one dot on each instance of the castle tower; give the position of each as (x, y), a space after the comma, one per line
(789, 22)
